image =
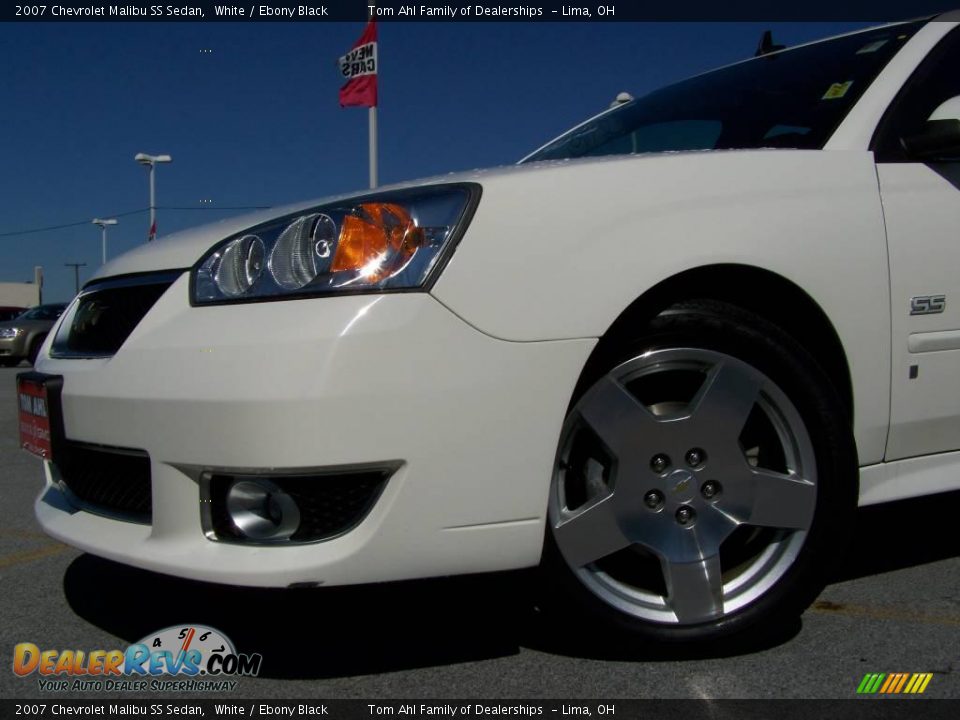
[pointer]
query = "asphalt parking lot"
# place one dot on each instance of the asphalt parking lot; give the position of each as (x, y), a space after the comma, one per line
(895, 607)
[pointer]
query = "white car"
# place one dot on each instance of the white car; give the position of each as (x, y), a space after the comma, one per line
(663, 358)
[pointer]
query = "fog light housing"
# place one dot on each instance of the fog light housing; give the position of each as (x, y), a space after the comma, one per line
(288, 507)
(260, 510)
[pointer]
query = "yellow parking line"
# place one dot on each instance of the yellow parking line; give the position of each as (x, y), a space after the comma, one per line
(26, 556)
(825, 607)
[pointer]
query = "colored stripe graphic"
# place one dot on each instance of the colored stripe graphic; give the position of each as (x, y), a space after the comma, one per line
(894, 683)
(870, 683)
(891, 680)
(918, 683)
(903, 679)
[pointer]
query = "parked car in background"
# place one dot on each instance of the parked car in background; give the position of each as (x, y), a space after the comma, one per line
(9, 313)
(664, 358)
(21, 337)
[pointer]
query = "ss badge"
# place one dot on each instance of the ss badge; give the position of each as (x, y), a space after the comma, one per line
(927, 304)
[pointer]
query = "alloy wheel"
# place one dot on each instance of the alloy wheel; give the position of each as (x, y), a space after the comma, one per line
(684, 487)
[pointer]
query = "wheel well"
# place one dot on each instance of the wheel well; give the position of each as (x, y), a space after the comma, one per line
(759, 291)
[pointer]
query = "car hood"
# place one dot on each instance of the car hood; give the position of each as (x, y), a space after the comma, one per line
(182, 249)
(28, 324)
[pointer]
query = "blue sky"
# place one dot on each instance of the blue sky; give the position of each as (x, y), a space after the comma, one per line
(256, 121)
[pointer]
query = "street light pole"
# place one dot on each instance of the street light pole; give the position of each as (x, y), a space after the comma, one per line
(76, 275)
(102, 224)
(150, 161)
(153, 202)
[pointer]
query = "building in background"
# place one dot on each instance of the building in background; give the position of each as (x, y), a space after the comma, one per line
(19, 294)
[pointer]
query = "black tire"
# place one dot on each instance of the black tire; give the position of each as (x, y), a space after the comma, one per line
(9, 362)
(583, 595)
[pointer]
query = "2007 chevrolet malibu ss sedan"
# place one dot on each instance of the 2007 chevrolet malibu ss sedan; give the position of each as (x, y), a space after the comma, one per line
(664, 358)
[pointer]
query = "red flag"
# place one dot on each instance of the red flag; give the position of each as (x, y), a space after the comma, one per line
(153, 232)
(359, 68)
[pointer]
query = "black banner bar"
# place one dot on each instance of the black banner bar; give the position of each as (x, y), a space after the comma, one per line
(875, 708)
(458, 11)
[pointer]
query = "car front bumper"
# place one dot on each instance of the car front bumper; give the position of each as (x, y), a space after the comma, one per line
(472, 422)
(13, 347)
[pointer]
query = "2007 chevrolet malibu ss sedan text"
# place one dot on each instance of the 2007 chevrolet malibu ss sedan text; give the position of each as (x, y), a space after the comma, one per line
(663, 358)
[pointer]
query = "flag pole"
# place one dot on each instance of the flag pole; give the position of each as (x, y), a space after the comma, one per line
(372, 117)
(359, 66)
(373, 145)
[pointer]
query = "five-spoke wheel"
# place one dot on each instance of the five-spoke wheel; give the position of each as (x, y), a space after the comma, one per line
(687, 478)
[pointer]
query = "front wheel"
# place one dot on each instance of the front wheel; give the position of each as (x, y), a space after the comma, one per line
(705, 480)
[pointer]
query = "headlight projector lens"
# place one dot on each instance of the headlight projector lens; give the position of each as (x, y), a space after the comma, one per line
(240, 266)
(303, 251)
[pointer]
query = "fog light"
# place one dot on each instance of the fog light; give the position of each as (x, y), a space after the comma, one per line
(262, 511)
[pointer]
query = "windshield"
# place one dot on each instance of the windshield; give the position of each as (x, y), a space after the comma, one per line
(790, 99)
(43, 312)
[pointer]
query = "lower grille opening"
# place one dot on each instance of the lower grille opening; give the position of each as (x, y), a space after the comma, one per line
(107, 481)
(327, 505)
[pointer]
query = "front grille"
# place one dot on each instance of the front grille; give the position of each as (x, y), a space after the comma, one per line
(106, 481)
(329, 505)
(107, 312)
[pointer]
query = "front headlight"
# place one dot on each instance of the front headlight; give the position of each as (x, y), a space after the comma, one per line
(8, 333)
(379, 242)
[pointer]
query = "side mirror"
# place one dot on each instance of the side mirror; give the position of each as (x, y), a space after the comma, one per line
(939, 138)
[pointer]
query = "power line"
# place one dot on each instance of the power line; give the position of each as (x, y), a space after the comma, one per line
(80, 223)
(66, 225)
(214, 207)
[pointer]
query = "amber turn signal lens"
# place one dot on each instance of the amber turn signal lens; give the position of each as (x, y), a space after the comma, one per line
(377, 241)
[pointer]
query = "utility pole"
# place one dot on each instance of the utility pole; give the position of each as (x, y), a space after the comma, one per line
(76, 275)
(38, 280)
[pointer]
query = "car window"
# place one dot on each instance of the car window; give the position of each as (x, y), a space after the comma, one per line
(795, 98)
(43, 312)
(934, 82)
(656, 137)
